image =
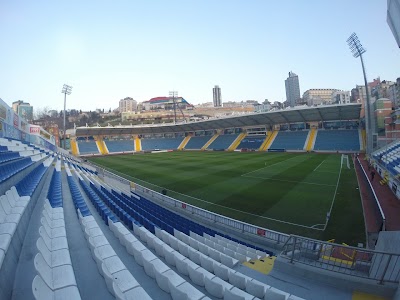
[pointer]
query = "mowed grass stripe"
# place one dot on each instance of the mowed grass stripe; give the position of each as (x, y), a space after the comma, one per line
(213, 180)
(221, 183)
(304, 203)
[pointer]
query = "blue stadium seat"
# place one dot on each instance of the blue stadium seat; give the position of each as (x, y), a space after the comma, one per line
(342, 140)
(290, 140)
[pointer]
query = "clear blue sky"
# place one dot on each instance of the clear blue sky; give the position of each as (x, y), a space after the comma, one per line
(108, 50)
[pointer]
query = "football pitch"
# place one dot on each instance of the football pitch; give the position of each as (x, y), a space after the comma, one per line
(288, 192)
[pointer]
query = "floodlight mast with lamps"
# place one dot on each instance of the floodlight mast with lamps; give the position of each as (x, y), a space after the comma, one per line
(66, 90)
(174, 94)
(358, 50)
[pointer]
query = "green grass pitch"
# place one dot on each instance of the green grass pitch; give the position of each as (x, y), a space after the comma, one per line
(287, 192)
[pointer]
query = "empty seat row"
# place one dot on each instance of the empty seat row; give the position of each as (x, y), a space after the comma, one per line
(8, 156)
(13, 167)
(101, 208)
(56, 277)
(167, 279)
(77, 198)
(28, 184)
(120, 282)
(218, 279)
(236, 247)
(210, 250)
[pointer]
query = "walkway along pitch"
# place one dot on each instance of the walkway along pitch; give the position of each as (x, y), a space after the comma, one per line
(388, 201)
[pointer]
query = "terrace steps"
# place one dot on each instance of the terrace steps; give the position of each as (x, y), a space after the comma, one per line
(363, 140)
(138, 144)
(184, 142)
(237, 141)
(311, 139)
(210, 141)
(101, 146)
(264, 144)
(271, 139)
(74, 147)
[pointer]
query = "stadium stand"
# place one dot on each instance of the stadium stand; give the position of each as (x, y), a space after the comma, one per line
(337, 140)
(119, 146)
(197, 142)
(87, 147)
(390, 157)
(187, 260)
(290, 140)
(161, 143)
(223, 141)
(251, 142)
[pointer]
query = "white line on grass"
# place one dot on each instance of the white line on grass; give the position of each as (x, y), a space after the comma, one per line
(212, 203)
(334, 198)
(269, 166)
(292, 181)
(319, 165)
(326, 172)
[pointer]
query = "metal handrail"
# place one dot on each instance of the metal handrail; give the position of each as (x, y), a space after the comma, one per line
(348, 260)
(375, 197)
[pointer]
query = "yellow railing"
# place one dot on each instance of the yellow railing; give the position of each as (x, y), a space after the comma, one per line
(237, 142)
(184, 142)
(311, 139)
(210, 141)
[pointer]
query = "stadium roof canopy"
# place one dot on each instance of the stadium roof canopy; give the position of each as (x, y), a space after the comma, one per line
(289, 115)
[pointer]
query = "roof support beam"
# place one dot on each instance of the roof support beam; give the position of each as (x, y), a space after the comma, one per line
(283, 116)
(301, 116)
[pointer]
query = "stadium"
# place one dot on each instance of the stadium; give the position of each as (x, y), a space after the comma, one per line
(275, 205)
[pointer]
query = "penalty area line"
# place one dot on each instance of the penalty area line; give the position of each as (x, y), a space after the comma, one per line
(290, 181)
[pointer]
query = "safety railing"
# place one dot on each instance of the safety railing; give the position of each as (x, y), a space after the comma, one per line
(376, 203)
(275, 236)
(378, 266)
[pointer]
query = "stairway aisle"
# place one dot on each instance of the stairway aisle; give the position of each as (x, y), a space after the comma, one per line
(90, 283)
(147, 283)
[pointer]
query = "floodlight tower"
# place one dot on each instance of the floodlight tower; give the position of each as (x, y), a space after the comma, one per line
(358, 50)
(66, 90)
(174, 94)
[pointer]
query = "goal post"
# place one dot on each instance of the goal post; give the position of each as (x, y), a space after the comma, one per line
(345, 161)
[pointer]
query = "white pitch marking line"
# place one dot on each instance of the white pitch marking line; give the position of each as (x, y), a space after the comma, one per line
(319, 165)
(292, 181)
(269, 166)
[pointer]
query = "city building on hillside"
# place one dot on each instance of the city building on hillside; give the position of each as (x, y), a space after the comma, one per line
(166, 103)
(205, 105)
(247, 103)
(383, 110)
(381, 90)
(127, 104)
(340, 97)
(23, 109)
(292, 87)
(217, 101)
(318, 96)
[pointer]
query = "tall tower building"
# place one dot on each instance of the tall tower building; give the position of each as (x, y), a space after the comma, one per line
(127, 104)
(217, 96)
(23, 109)
(292, 89)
